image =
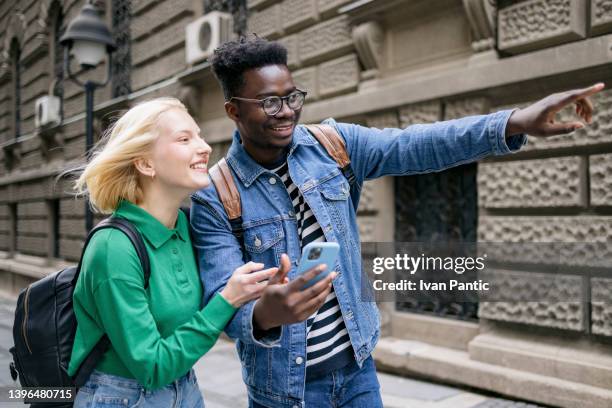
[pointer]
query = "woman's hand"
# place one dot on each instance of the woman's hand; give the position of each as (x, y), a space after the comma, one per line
(247, 283)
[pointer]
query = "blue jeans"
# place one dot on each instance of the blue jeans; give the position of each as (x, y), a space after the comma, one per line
(349, 386)
(110, 391)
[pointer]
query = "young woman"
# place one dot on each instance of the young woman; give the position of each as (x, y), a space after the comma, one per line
(153, 159)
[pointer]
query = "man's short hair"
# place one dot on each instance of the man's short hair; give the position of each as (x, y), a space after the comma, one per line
(232, 58)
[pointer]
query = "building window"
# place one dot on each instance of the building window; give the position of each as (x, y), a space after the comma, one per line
(438, 207)
(15, 58)
(56, 24)
(122, 58)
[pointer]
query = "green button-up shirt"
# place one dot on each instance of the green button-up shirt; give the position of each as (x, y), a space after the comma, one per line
(157, 334)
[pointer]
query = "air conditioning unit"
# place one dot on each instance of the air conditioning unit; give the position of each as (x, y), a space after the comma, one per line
(47, 111)
(207, 33)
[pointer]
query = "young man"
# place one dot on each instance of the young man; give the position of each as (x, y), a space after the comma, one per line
(313, 347)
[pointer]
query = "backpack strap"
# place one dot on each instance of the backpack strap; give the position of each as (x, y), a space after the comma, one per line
(125, 226)
(222, 178)
(331, 140)
(132, 233)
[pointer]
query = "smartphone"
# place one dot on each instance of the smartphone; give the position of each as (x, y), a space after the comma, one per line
(317, 253)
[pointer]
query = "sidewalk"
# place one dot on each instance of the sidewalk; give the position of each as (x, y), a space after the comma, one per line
(221, 383)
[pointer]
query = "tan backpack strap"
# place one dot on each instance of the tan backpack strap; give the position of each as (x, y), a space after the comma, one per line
(221, 176)
(332, 142)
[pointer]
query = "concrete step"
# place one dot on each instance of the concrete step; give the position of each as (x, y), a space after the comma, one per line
(442, 364)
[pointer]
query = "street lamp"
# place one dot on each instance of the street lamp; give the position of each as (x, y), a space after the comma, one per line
(89, 40)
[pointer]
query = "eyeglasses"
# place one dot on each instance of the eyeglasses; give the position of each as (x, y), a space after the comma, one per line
(273, 104)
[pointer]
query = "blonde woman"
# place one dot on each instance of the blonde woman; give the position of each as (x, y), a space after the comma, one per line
(153, 159)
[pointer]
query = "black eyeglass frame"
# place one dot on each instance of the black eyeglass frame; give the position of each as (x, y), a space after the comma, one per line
(283, 99)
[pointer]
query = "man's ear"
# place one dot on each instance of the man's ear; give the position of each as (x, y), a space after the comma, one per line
(144, 167)
(232, 111)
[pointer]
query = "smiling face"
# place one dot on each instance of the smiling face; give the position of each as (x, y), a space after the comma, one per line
(264, 137)
(179, 156)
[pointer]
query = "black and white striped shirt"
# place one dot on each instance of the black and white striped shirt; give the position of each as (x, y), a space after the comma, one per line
(328, 346)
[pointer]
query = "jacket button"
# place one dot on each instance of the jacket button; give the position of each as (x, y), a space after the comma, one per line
(272, 180)
(299, 360)
(257, 242)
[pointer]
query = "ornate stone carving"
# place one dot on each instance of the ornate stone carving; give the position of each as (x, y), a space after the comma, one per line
(531, 183)
(549, 300)
(369, 38)
(534, 24)
(562, 315)
(545, 229)
(601, 312)
(601, 16)
(481, 15)
(549, 240)
(531, 286)
(600, 172)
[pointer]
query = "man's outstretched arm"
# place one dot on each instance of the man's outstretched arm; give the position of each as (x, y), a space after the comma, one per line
(438, 146)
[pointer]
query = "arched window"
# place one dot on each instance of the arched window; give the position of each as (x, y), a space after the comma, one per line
(15, 58)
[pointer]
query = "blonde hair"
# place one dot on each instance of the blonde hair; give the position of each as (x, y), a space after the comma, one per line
(111, 175)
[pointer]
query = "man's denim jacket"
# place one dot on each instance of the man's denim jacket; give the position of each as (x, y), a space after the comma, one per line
(274, 367)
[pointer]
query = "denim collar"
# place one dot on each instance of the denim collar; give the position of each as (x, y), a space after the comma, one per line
(248, 169)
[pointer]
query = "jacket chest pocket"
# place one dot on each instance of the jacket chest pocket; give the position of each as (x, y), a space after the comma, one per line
(335, 195)
(265, 243)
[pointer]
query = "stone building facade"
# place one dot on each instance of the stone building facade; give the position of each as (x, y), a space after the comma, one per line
(381, 63)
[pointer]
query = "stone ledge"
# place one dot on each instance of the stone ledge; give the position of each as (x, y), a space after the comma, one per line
(451, 333)
(30, 266)
(555, 182)
(455, 367)
(557, 357)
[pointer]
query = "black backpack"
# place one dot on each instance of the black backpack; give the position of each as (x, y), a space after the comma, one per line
(45, 323)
